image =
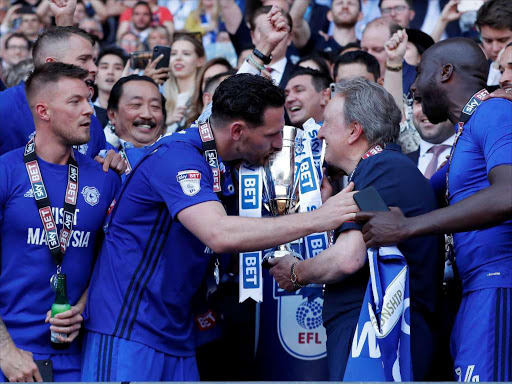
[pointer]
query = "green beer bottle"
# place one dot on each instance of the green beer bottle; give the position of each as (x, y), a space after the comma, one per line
(61, 304)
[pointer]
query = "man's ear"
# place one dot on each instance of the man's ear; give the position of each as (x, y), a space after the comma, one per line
(111, 116)
(42, 111)
(237, 129)
(356, 130)
(329, 16)
(446, 72)
(326, 96)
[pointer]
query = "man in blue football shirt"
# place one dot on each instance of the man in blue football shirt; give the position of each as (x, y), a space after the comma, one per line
(70, 45)
(78, 194)
(451, 85)
(168, 221)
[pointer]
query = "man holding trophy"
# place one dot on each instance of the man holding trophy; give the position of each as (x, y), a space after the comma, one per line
(361, 144)
(167, 220)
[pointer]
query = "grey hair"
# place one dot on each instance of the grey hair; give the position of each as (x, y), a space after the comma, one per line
(369, 104)
(18, 73)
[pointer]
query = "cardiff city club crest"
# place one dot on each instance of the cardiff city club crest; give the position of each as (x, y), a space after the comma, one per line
(91, 195)
(299, 322)
(190, 182)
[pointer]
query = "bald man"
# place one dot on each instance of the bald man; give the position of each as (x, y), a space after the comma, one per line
(451, 85)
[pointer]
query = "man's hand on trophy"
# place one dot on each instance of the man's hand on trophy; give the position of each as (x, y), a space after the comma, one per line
(337, 209)
(273, 29)
(281, 270)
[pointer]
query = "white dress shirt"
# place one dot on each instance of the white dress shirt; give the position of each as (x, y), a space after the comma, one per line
(425, 157)
(278, 70)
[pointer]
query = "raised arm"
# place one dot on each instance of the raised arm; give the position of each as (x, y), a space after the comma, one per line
(301, 31)
(231, 14)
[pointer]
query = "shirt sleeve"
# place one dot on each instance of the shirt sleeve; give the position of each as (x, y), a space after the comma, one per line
(492, 132)
(183, 178)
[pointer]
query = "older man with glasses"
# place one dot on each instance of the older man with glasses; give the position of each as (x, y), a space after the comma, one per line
(400, 11)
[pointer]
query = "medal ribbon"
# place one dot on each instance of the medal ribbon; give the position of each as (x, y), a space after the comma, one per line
(57, 244)
(465, 115)
(250, 205)
(210, 154)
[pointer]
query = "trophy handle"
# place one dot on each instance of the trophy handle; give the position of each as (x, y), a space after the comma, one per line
(282, 250)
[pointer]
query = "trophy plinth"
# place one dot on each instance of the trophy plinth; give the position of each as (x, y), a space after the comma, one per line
(281, 188)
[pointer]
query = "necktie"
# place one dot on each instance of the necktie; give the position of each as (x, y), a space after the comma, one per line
(269, 69)
(432, 166)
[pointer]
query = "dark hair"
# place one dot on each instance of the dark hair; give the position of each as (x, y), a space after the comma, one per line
(144, 3)
(318, 60)
(51, 73)
(214, 81)
(52, 37)
(19, 36)
(117, 92)
(263, 11)
(508, 45)
(410, 3)
(116, 51)
(245, 97)
(26, 10)
(495, 14)
(360, 57)
(319, 79)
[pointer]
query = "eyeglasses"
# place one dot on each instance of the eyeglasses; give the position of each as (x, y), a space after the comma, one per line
(397, 9)
(17, 47)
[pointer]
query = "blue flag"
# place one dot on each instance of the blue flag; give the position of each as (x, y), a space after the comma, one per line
(381, 349)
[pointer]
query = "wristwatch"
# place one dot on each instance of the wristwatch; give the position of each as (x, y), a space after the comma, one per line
(266, 59)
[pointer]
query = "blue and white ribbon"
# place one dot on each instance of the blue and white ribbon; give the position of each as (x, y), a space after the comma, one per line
(308, 155)
(381, 348)
(250, 205)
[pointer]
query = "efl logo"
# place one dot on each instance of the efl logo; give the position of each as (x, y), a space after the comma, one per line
(205, 132)
(250, 190)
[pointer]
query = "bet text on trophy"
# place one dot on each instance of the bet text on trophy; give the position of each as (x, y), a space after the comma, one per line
(280, 188)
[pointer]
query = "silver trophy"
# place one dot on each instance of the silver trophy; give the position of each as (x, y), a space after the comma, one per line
(280, 187)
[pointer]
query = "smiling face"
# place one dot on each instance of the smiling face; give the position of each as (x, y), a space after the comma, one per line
(506, 69)
(303, 100)
(139, 116)
(335, 132)
(431, 133)
(184, 60)
(110, 69)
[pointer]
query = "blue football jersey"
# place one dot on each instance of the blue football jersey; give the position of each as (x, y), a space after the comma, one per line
(27, 265)
(484, 257)
(17, 125)
(150, 265)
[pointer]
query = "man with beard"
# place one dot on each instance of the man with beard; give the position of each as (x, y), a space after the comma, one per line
(49, 171)
(140, 22)
(168, 221)
(343, 13)
(451, 85)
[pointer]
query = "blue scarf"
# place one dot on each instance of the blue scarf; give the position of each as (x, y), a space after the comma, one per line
(381, 349)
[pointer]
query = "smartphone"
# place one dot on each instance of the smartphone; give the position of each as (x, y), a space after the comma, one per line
(162, 50)
(469, 5)
(139, 59)
(369, 199)
(45, 369)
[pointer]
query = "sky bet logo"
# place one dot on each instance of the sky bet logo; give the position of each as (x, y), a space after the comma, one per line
(251, 271)
(250, 190)
(307, 178)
